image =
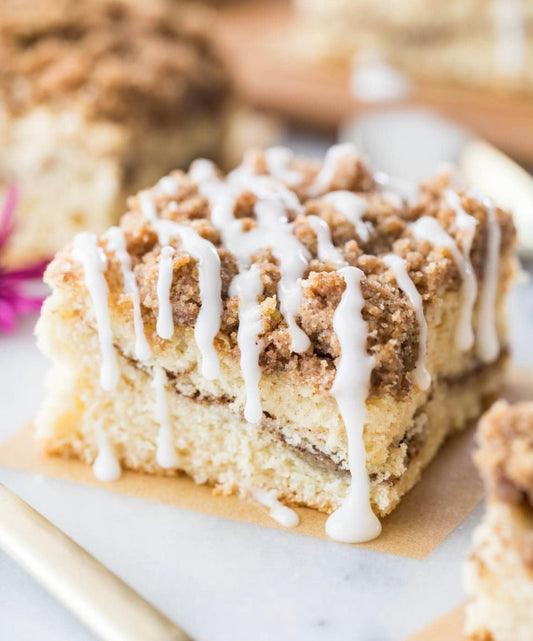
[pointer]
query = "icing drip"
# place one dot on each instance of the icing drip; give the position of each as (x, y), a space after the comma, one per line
(397, 190)
(165, 321)
(326, 250)
(427, 228)
(106, 467)
(487, 344)
(334, 156)
(273, 230)
(147, 206)
(466, 223)
(354, 521)
(248, 286)
(293, 259)
(94, 261)
(509, 36)
(278, 160)
(202, 170)
(168, 186)
(116, 242)
(210, 285)
(351, 207)
(420, 374)
(281, 513)
(166, 452)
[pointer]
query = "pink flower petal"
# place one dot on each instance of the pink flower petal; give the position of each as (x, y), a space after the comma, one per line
(8, 316)
(26, 304)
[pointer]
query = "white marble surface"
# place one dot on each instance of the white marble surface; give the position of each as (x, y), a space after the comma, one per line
(223, 580)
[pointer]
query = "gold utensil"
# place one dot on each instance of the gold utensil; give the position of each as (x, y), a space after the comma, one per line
(102, 601)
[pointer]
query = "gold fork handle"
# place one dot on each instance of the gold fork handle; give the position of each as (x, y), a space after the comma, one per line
(102, 601)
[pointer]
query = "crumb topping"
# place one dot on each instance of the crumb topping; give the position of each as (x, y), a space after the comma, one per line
(505, 452)
(384, 227)
(122, 60)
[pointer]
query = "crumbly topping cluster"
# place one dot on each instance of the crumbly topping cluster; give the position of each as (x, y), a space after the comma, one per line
(505, 452)
(123, 60)
(393, 337)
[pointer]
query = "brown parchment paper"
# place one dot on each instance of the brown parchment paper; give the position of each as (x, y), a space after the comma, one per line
(446, 628)
(447, 493)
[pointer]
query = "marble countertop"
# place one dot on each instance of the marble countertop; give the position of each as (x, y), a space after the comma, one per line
(223, 580)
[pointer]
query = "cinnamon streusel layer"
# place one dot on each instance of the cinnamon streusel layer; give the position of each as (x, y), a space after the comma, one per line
(311, 330)
(98, 98)
(499, 572)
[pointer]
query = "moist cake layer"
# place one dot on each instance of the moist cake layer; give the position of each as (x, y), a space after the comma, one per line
(214, 443)
(330, 302)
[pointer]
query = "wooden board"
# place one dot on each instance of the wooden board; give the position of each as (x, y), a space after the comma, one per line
(263, 47)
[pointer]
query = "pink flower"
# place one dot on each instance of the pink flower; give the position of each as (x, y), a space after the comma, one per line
(14, 300)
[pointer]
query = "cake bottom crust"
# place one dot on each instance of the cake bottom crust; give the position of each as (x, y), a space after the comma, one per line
(215, 445)
(499, 576)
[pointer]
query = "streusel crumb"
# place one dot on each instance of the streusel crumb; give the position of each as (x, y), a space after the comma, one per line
(505, 454)
(119, 59)
(393, 337)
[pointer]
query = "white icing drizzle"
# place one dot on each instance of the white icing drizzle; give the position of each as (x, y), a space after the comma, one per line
(165, 321)
(281, 513)
(394, 188)
(334, 156)
(278, 161)
(168, 185)
(398, 265)
(326, 250)
(116, 242)
(428, 228)
(354, 521)
(293, 259)
(248, 286)
(147, 206)
(94, 261)
(509, 36)
(202, 170)
(273, 230)
(210, 286)
(352, 207)
(106, 467)
(463, 221)
(487, 343)
(166, 452)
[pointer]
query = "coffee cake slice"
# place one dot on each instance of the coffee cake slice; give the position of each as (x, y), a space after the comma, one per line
(296, 331)
(499, 572)
(474, 43)
(98, 99)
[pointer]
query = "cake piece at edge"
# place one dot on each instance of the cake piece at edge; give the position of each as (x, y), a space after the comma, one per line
(499, 571)
(486, 45)
(276, 328)
(98, 99)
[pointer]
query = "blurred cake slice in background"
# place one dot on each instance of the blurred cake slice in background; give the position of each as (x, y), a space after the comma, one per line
(479, 43)
(97, 99)
(499, 572)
